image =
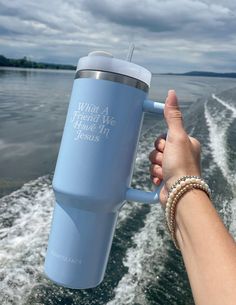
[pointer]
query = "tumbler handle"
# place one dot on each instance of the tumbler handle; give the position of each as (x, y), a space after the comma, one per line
(139, 195)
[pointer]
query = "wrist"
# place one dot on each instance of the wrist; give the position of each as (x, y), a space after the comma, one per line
(183, 185)
(193, 205)
(170, 181)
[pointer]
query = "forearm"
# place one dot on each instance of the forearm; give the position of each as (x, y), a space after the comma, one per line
(208, 250)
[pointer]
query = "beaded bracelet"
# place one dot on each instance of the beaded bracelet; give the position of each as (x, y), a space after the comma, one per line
(177, 190)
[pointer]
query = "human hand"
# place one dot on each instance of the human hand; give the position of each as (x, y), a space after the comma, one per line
(176, 155)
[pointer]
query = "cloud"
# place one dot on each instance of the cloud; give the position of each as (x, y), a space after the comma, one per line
(161, 16)
(169, 35)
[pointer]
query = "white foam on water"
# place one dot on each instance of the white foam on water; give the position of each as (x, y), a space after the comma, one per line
(126, 210)
(146, 144)
(232, 227)
(23, 245)
(217, 135)
(139, 260)
(142, 156)
(225, 104)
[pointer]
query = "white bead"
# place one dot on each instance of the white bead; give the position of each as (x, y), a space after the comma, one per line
(174, 190)
(171, 196)
(182, 183)
(178, 187)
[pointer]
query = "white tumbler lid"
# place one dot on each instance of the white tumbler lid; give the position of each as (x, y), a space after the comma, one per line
(103, 61)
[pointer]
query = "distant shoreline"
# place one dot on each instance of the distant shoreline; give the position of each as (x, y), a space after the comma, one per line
(201, 73)
(2, 68)
(26, 63)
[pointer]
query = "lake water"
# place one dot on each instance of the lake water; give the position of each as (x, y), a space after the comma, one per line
(144, 268)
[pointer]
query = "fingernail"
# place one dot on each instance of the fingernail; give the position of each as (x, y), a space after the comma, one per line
(171, 91)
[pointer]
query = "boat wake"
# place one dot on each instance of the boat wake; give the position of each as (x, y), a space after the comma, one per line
(142, 264)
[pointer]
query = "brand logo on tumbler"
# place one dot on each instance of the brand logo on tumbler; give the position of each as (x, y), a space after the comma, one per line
(66, 259)
(92, 123)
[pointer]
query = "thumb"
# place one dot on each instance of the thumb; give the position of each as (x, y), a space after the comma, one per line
(172, 113)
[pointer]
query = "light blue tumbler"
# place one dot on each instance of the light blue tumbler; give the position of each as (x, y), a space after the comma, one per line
(95, 165)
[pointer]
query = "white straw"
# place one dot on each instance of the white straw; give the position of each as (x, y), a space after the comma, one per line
(130, 52)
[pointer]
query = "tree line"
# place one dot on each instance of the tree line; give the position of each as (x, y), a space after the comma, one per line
(27, 63)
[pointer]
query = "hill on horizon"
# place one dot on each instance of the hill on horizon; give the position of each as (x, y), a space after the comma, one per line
(27, 63)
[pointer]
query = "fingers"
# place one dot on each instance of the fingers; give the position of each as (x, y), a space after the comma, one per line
(160, 143)
(156, 157)
(157, 176)
(156, 180)
(172, 113)
(156, 171)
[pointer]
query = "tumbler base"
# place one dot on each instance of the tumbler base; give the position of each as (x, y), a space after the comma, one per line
(79, 246)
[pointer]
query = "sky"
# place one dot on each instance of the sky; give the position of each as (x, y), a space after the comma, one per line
(169, 35)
